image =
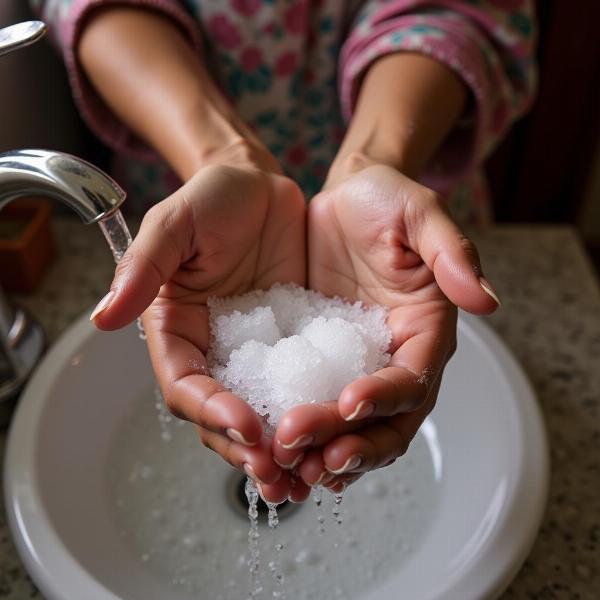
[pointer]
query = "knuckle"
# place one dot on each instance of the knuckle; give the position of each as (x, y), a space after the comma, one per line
(158, 215)
(125, 265)
(172, 403)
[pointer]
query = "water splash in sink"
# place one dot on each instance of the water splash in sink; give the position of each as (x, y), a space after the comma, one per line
(177, 520)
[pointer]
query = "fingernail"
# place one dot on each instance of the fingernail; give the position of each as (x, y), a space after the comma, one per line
(338, 488)
(102, 305)
(299, 442)
(489, 290)
(352, 463)
(364, 409)
(236, 436)
(293, 465)
(249, 470)
(324, 478)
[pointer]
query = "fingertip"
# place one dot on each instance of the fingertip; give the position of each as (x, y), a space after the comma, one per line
(250, 430)
(349, 399)
(238, 436)
(461, 284)
(300, 492)
(259, 466)
(488, 288)
(291, 433)
(277, 491)
(312, 468)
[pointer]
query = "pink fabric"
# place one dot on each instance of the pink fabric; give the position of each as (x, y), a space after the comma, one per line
(464, 34)
(278, 62)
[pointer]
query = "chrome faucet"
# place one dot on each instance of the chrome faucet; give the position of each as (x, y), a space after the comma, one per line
(88, 191)
(80, 185)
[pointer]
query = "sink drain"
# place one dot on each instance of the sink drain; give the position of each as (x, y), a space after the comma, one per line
(236, 495)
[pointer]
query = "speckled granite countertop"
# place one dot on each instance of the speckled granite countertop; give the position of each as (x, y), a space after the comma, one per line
(550, 319)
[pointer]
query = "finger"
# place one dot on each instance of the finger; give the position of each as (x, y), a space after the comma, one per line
(340, 483)
(308, 425)
(427, 343)
(300, 491)
(176, 333)
(256, 461)
(454, 260)
(312, 469)
(377, 445)
(158, 250)
(287, 459)
(277, 492)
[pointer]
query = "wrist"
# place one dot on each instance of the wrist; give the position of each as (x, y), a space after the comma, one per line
(406, 106)
(209, 132)
(231, 144)
(355, 158)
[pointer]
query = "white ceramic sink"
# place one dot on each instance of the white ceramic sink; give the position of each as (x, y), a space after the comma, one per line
(101, 508)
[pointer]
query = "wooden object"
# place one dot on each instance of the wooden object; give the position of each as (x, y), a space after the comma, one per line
(26, 244)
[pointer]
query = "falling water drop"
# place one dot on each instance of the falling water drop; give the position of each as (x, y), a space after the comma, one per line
(275, 564)
(317, 496)
(336, 510)
(253, 535)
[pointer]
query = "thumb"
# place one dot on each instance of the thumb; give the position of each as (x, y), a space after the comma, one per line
(150, 261)
(454, 260)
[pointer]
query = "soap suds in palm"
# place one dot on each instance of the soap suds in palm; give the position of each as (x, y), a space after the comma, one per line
(289, 346)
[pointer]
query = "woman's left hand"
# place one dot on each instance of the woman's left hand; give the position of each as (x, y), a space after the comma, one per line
(377, 236)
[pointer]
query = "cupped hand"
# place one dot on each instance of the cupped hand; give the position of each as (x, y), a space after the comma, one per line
(377, 236)
(228, 230)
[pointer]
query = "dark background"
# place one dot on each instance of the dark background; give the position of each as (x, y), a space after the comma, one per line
(548, 168)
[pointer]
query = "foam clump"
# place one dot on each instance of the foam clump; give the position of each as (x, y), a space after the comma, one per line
(288, 346)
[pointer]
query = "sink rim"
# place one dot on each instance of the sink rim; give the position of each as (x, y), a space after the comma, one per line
(37, 538)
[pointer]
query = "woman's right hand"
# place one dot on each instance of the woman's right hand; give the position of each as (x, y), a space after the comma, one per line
(228, 230)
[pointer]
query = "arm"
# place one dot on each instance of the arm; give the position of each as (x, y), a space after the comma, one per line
(407, 105)
(163, 92)
(235, 225)
(489, 46)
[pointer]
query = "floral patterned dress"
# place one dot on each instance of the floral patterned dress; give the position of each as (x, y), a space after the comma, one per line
(292, 68)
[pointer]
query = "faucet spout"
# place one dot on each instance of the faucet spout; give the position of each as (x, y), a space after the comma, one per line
(78, 184)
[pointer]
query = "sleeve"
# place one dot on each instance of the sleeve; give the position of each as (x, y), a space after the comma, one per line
(489, 43)
(66, 20)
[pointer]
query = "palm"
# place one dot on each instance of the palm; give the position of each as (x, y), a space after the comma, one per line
(246, 232)
(361, 247)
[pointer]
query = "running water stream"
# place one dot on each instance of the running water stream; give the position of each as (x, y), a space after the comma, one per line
(119, 238)
(253, 535)
(117, 234)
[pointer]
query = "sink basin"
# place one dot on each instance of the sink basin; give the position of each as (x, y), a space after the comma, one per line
(103, 508)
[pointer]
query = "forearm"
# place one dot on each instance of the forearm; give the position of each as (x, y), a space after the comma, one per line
(407, 105)
(154, 82)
